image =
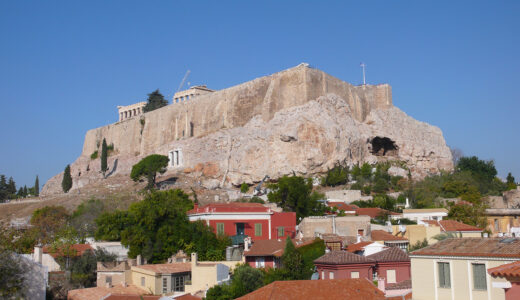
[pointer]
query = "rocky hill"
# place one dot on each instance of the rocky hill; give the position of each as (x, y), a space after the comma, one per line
(300, 120)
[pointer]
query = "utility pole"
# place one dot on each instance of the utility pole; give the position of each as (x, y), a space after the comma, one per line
(363, 66)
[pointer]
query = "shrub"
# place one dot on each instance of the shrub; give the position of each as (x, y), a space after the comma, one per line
(244, 187)
(336, 176)
(356, 186)
(94, 155)
(366, 190)
(380, 186)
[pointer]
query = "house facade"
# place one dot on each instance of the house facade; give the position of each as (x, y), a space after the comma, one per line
(456, 268)
(343, 264)
(161, 279)
(425, 214)
(246, 219)
(392, 264)
(511, 273)
(503, 221)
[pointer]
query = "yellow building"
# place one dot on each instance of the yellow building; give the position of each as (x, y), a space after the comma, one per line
(457, 268)
(503, 221)
(161, 279)
(208, 274)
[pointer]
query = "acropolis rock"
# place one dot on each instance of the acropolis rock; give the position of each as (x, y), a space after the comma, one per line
(300, 120)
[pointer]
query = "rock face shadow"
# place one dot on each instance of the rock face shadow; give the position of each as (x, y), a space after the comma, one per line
(114, 168)
(167, 183)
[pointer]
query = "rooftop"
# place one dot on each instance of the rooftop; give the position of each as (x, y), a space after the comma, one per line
(390, 255)
(452, 225)
(166, 268)
(272, 247)
(235, 207)
(79, 249)
(343, 206)
(359, 288)
(357, 246)
(424, 210)
(374, 212)
(503, 211)
(403, 285)
(479, 247)
(342, 258)
(381, 235)
(507, 270)
(97, 293)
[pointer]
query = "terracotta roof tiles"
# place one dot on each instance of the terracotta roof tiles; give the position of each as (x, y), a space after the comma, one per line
(166, 268)
(342, 258)
(452, 225)
(507, 270)
(97, 293)
(479, 247)
(235, 207)
(359, 288)
(79, 249)
(403, 285)
(373, 212)
(390, 255)
(272, 247)
(357, 246)
(381, 235)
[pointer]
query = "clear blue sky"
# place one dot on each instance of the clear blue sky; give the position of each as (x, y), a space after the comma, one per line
(66, 65)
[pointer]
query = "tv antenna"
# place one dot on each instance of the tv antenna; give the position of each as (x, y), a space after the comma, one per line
(363, 66)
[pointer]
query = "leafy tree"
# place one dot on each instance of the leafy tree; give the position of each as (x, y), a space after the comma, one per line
(245, 279)
(292, 261)
(366, 171)
(49, 220)
(148, 167)
(336, 176)
(37, 186)
(244, 187)
(511, 184)
(158, 227)
(104, 165)
(83, 219)
(484, 170)
(12, 275)
(471, 214)
(294, 193)
(66, 183)
(155, 100)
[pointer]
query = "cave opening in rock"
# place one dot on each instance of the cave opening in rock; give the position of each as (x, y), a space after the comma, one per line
(383, 146)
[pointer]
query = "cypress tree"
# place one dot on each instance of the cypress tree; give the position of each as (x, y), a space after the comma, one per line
(11, 186)
(66, 183)
(104, 165)
(25, 192)
(155, 100)
(37, 186)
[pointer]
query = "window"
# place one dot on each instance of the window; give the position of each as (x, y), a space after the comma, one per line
(164, 285)
(496, 225)
(390, 276)
(175, 158)
(220, 228)
(479, 277)
(331, 275)
(260, 262)
(354, 274)
(108, 280)
(444, 275)
(360, 232)
(143, 281)
(322, 274)
(258, 229)
(281, 231)
(178, 283)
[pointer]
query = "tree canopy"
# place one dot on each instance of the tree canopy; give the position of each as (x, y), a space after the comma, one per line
(155, 100)
(158, 227)
(104, 154)
(66, 183)
(148, 167)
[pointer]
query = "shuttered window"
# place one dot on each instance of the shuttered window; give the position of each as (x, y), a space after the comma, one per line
(281, 231)
(220, 228)
(444, 275)
(258, 229)
(479, 277)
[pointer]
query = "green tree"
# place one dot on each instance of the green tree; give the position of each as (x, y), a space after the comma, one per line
(484, 170)
(292, 261)
(148, 167)
(104, 165)
(49, 220)
(155, 100)
(37, 186)
(366, 171)
(335, 176)
(511, 184)
(11, 187)
(245, 279)
(294, 193)
(471, 214)
(12, 275)
(83, 219)
(418, 245)
(158, 227)
(66, 183)
(244, 187)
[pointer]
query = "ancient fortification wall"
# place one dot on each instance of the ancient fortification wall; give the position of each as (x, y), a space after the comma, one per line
(300, 120)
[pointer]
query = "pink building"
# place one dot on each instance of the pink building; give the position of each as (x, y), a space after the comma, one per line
(246, 219)
(268, 253)
(510, 272)
(392, 264)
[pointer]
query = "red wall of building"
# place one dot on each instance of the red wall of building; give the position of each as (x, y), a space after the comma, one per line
(343, 271)
(249, 227)
(269, 261)
(513, 293)
(287, 220)
(402, 270)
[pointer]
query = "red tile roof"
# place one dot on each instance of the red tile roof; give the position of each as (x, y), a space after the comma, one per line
(235, 207)
(79, 249)
(390, 255)
(507, 270)
(342, 258)
(381, 235)
(166, 268)
(452, 225)
(373, 212)
(97, 293)
(343, 206)
(403, 285)
(479, 247)
(133, 297)
(272, 247)
(359, 288)
(357, 247)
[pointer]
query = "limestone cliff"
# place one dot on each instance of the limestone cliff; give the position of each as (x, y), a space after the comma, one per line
(300, 120)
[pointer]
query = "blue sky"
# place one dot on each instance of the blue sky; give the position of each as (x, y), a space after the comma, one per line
(66, 65)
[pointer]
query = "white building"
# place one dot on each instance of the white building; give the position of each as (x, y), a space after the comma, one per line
(425, 214)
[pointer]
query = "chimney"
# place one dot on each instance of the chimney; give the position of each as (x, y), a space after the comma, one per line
(38, 253)
(381, 284)
(407, 205)
(195, 205)
(194, 258)
(358, 238)
(139, 260)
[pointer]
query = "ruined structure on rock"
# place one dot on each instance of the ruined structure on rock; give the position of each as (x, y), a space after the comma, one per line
(300, 120)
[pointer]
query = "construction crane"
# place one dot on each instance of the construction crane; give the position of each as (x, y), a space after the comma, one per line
(258, 190)
(183, 81)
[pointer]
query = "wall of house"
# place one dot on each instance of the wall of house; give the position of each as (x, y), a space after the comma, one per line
(513, 293)
(118, 277)
(426, 281)
(152, 283)
(504, 224)
(249, 227)
(287, 220)
(268, 261)
(343, 226)
(469, 234)
(415, 233)
(50, 262)
(344, 271)
(402, 270)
